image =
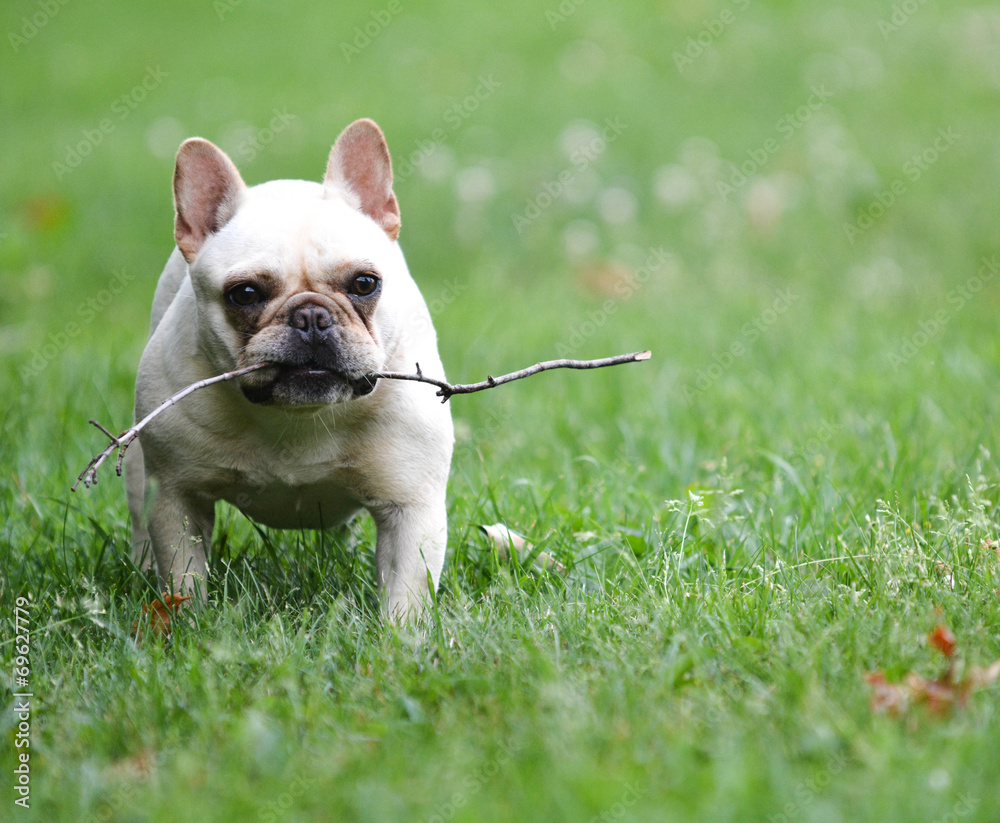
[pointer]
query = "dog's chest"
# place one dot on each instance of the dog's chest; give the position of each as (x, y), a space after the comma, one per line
(299, 485)
(303, 506)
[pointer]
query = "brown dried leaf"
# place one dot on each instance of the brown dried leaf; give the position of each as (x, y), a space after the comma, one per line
(46, 211)
(943, 640)
(158, 613)
(940, 695)
(891, 698)
(978, 677)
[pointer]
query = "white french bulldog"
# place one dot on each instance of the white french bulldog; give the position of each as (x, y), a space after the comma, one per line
(309, 278)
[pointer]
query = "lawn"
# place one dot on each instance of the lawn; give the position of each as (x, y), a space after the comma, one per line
(793, 205)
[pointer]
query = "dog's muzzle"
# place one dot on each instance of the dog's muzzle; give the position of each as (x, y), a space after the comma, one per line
(311, 361)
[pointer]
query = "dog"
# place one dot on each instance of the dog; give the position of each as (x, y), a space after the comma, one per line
(310, 279)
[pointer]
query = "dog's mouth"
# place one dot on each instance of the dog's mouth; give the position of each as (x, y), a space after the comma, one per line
(305, 384)
(360, 386)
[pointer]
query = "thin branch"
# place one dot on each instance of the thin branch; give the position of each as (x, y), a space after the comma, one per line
(446, 390)
(89, 475)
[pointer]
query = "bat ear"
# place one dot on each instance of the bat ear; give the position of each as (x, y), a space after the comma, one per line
(360, 171)
(207, 192)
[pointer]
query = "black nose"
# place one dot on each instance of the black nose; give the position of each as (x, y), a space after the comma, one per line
(311, 319)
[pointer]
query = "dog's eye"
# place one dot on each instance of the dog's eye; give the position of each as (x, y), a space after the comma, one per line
(364, 285)
(245, 295)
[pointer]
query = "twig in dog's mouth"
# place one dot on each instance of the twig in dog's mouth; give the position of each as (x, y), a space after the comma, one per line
(445, 390)
(89, 475)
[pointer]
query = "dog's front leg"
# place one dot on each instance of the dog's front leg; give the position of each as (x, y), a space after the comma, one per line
(180, 530)
(411, 541)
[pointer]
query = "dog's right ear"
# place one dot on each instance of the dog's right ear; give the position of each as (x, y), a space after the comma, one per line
(207, 191)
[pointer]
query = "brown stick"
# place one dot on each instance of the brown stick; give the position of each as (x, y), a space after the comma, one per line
(445, 390)
(122, 441)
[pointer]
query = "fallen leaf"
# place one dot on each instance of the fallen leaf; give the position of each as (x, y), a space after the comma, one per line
(158, 613)
(979, 676)
(941, 694)
(938, 695)
(508, 542)
(46, 211)
(890, 698)
(942, 639)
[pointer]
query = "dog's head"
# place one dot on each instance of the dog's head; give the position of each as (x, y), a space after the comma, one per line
(307, 277)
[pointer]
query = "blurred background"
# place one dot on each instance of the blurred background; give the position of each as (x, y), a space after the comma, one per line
(789, 203)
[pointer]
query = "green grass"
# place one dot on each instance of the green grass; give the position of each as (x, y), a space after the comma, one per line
(791, 494)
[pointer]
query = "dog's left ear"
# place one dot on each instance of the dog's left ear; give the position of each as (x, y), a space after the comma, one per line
(360, 171)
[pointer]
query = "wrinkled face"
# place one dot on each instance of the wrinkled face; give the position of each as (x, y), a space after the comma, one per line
(304, 283)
